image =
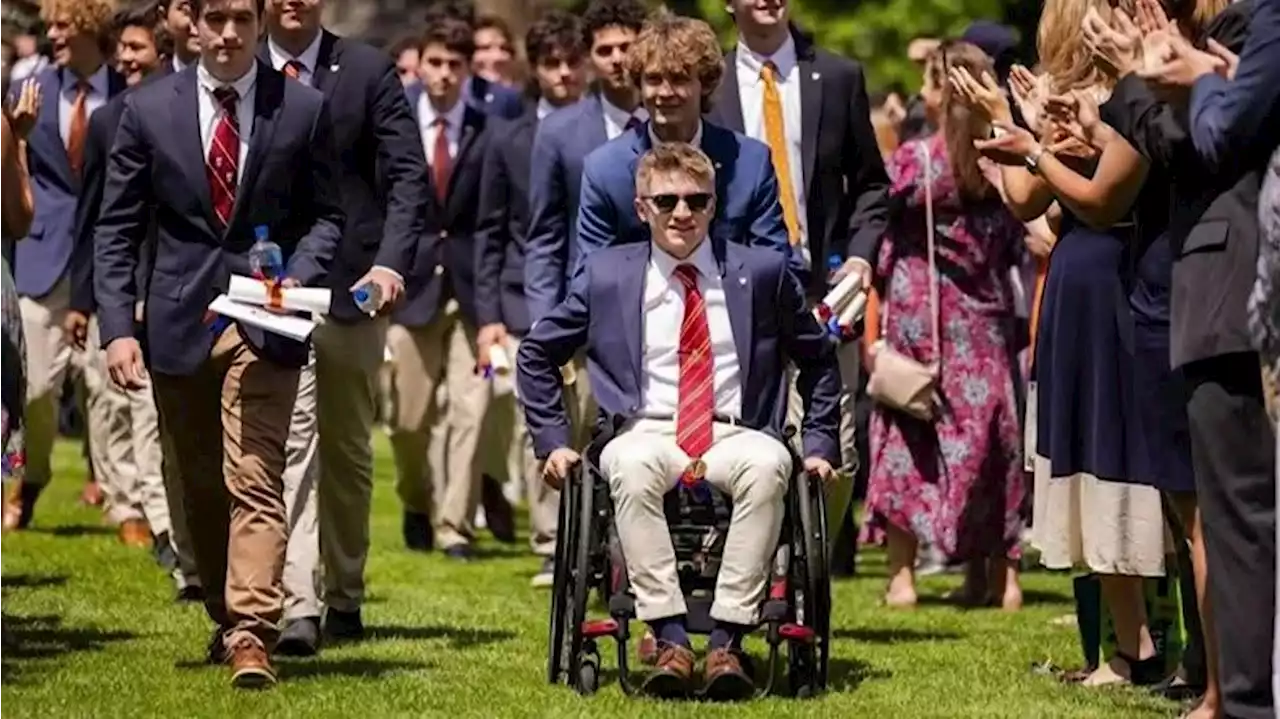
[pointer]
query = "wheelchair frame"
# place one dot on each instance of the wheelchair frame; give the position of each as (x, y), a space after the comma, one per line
(796, 610)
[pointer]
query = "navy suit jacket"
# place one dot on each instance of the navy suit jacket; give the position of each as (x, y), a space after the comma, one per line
(603, 314)
(747, 206)
(560, 149)
(45, 256)
(156, 173)
(504, 218)
(494, 99)
(1241, 118)
(845, 182)
(382, 180)
(445, 264)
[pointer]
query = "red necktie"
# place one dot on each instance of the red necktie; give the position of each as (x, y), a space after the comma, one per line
(697, 377)
(79, 128)
(292, 70)
(224, 155)
(440, 160)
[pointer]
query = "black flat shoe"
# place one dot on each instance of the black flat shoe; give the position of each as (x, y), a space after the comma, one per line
(300, 638)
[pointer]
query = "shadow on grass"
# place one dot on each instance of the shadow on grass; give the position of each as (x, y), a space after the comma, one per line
(846, 675)
(895, 635)
(33, 581)
(458, 637)
(31, 640)
(74, 530)
(356, 668)
(1029, 597)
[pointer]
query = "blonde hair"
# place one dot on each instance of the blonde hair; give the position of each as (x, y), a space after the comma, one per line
(671, 44)
(671, 157)
(1060, 44)
(92, 17)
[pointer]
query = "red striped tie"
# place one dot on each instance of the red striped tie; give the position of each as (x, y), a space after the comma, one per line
(697, 377)
(293, 70)
(224, 156)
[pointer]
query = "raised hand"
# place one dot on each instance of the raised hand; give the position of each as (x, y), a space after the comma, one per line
(983, 97)
(1117, 48)
(1076, 114)
(1152, 18)
(25, 109)
(1011, 144)
(1029, 91)
(1178, 67)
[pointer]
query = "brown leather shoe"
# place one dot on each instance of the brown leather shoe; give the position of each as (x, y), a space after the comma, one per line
(136, 533)
(647, 648)
(250, 665)
(672, 676)
(19, 504)
(724, 678)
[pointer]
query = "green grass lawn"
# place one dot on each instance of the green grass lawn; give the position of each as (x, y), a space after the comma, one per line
(91, 630)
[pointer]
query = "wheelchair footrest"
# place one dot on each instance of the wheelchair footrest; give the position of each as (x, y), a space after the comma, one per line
(797, 633)
(599, 628)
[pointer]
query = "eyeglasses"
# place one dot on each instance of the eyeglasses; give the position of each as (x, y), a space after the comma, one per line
(668, 201)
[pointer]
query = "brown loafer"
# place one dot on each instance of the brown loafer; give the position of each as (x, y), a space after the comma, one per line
(136, 533)
(250, 665)
(19, 503)
(724, 678)
(672, 676)
(647, 648)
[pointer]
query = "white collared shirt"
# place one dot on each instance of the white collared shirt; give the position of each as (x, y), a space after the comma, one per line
(696, 141)
(211, 112)
(751, 93)
(616, 119)
(178, 64)
(99, 86)
(454, 117)
(544, 108)
(663, 315)
(308, 58)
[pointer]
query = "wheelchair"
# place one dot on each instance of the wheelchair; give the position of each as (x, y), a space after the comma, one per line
(795, 613)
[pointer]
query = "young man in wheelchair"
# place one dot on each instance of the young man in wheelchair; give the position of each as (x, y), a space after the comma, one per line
(687, 339)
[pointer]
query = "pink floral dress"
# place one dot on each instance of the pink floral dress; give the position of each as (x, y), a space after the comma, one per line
(957, 483)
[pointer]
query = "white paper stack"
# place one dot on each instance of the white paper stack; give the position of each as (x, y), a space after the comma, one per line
(246, 298)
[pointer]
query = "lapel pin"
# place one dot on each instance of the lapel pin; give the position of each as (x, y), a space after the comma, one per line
(489, 97)
(333, 68)
(742, 281)
(718, 166)
(816, 76)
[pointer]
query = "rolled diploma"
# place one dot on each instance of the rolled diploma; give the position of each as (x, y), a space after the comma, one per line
(298, 299)
(853, 311)
(841, 292)
(499, 362)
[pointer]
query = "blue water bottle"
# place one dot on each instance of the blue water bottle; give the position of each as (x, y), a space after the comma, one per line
(266, 261)
(368, 298)
(834, 263)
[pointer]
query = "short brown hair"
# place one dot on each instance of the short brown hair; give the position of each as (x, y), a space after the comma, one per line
(92, 17)
(671, 44)
(454, 34)
(675, 157)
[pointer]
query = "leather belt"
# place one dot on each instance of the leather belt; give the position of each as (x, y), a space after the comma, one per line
(717, 418)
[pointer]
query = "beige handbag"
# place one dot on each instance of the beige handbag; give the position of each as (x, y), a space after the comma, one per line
(898, 381)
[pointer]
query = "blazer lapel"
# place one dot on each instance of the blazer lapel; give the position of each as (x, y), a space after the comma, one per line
(729, 108)
(810, 108)
(472, 123)
(738, 300)
(186, 125)
(325, 74)
(595, 132)
(47, 125)
(267, 98)
(631, 274)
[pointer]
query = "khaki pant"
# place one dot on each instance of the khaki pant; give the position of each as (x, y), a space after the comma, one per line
(50, 356)
(423, 358)
(329, 473)
(229, 422)
(643, 463)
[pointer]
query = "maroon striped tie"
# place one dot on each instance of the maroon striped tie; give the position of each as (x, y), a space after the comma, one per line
(224, 155)
(697, 376)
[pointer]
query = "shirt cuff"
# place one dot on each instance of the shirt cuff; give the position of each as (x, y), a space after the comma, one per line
(389, 271)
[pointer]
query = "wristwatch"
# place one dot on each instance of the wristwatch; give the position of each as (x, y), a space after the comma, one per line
(1033, 160)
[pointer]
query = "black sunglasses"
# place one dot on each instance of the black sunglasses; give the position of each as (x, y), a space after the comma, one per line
(668, 201)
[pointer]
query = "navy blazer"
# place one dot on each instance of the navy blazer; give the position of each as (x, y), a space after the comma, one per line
(445, 264)
(603, 314)
(45, 256)
(504, 218)
(845, 183)
(747, 206)
(1241, 118)
(494, 99)
(157, 170)
(382, 180)
(560, 149)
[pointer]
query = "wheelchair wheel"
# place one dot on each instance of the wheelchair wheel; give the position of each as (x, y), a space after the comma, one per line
(559, 639)
(811, 589)
(580, 580)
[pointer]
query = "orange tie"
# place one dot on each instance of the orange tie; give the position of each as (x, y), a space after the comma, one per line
(79, 127)
(776, 135)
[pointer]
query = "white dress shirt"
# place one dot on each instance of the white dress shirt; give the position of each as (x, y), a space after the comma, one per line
(749, 64)
(544, 108)
(696, 141)
(99, 86)
(663, 315)
(178, 65)
(308, 58)
(616, 119)
(427, 115)
(211, 112)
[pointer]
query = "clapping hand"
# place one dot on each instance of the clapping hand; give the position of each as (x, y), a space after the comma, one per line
(1076, 115)
(1029, 91)
(1116, 47)
(1010, 146)
(1177, 66)
(985, 97)
(25, 109)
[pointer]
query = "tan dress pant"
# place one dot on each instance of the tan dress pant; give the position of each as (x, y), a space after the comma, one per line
(50, 356)
(643, 463)
(328, 478)
(423, 358)
(229, 422)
